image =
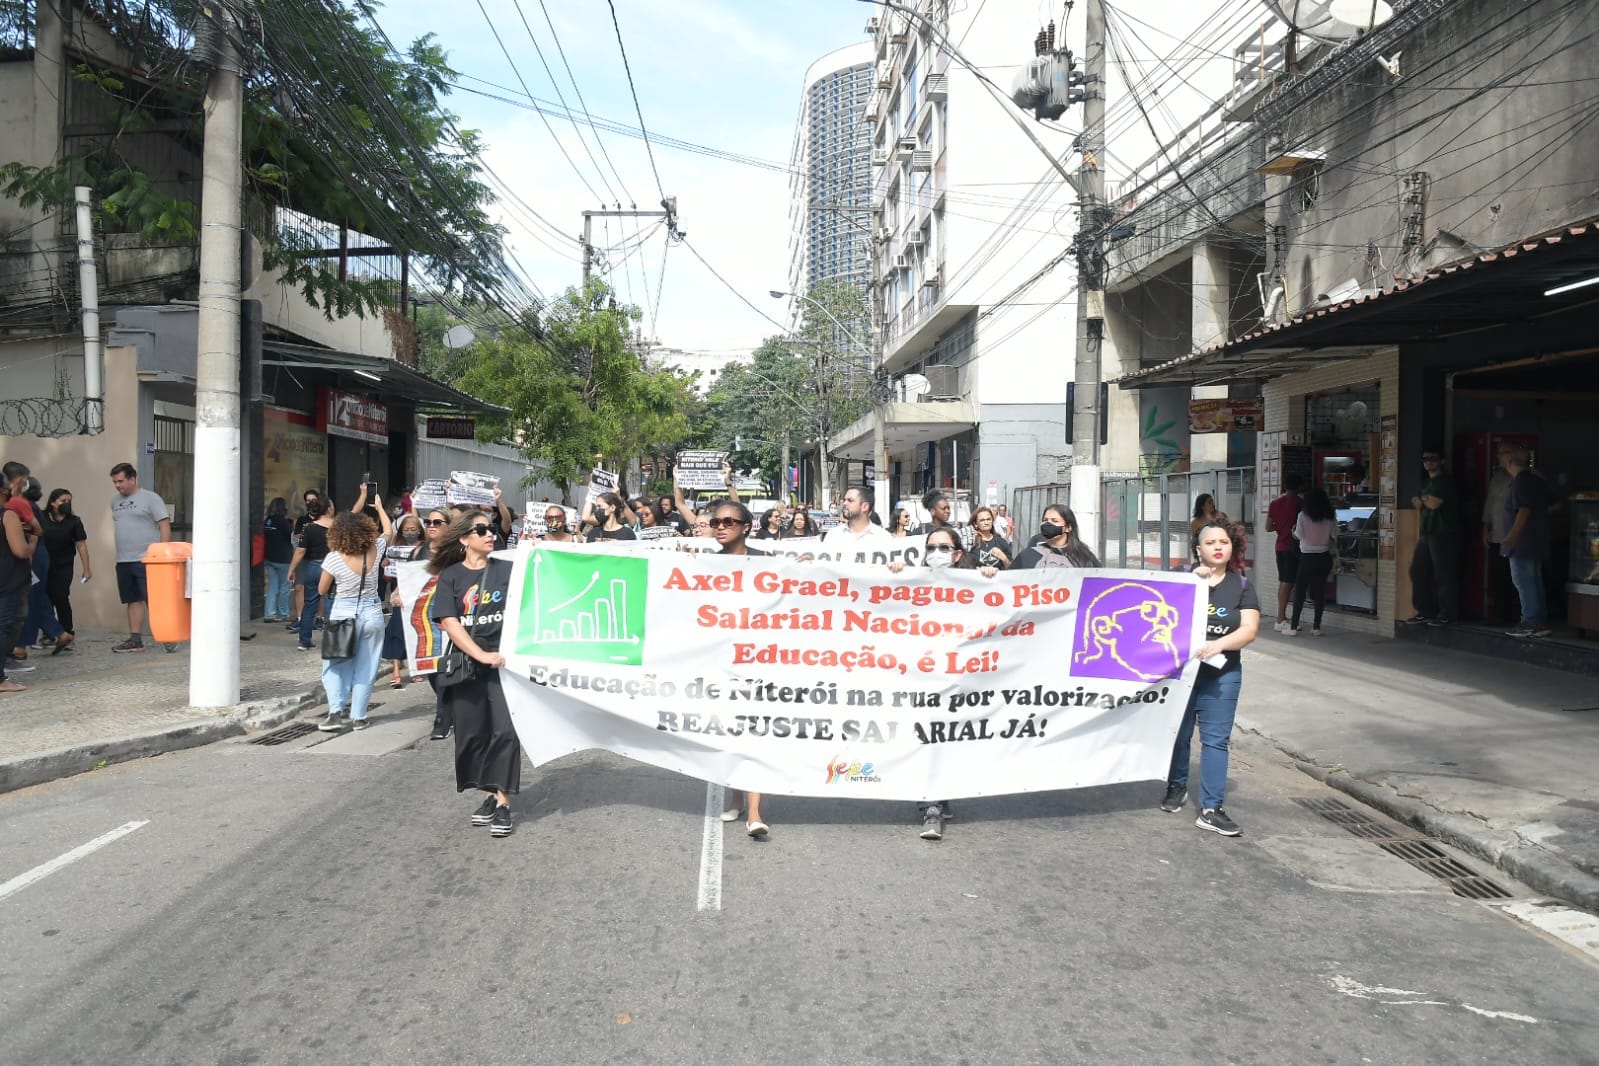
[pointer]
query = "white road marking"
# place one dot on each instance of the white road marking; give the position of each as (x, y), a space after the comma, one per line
(1404, 997)
(1577, 928)
(711, 850)
(40, 872)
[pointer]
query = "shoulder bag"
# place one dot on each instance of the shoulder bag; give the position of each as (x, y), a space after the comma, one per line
(455, 665)
(338, 634)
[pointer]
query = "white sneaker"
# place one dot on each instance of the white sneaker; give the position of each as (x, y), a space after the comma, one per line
(1315, 632)
(1290, 632)
(1281, 627)
(732, 814)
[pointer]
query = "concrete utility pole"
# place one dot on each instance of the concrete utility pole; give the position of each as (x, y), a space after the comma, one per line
(1090, 282)
(214, 646)
(668, 211)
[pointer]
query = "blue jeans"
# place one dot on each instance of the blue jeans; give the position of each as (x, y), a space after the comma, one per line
(279, 592)
(1212, 706)
(310, 574)
(1527, 576)
(41, 612)
(348, 682)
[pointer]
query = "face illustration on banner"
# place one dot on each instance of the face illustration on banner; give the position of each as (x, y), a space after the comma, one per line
(584, 607)
(1129, 631)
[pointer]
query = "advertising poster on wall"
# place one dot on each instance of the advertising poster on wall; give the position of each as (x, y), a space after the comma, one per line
(296, 456)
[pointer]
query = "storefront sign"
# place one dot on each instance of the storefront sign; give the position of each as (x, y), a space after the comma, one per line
(452, 428)
(296, 456)
(345, 414)
(1226, 416)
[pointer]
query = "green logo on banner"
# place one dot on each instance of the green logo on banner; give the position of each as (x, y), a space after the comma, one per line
(588, 608)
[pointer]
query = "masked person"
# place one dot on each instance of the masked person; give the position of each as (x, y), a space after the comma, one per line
(409, 543)
(1059, 546)
(555, 526)
(67, 543)
(608, 518)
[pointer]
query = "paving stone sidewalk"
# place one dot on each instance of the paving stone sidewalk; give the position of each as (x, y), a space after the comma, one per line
(1495, 757)
(88, 707)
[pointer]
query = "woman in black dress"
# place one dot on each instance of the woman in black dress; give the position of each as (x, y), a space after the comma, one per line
(469, 605)
(407, 545)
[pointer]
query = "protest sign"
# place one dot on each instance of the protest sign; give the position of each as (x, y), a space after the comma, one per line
(878, 551)
(600, 481)
(424, 640)
(701, 470)
(828, 679)
(431, 495)
(472, 490)
(657, 533)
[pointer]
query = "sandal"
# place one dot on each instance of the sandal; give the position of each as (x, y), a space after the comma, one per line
(396, 683)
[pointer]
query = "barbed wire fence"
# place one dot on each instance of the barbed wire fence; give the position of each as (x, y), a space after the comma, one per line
(44, 417)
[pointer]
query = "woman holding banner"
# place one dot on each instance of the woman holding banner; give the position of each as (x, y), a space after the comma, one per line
(433, 527)
(1233, 623)
(731, 523)
(469, 605)
(407, 546)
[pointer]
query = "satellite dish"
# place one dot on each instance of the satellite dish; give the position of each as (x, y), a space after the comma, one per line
(1331, 21)
(915, 386)
(1360, 15)
(459, 336)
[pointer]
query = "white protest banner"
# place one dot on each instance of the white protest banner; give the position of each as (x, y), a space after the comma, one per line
(657, 533)
(600, 481)
(393, 556)
(425, 642)
(827, 679)
(701, 470)
(431, 495)
(472, 490)
(878, 550)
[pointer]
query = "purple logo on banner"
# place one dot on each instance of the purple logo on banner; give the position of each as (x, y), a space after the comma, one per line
(1128, 630)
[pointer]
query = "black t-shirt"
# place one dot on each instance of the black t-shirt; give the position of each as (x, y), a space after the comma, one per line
(619, 533)
(983, 552)
(747, 551)
(61, 539)
(477, 598)
(1042, 555)
(1228, 602)
(314, 539)
(279, 534)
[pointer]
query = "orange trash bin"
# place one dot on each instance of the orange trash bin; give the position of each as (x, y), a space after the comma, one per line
(166, 566)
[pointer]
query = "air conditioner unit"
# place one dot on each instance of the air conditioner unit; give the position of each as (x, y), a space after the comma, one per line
(880, 158)
(871, 27)
(922, 161)
(902, 262)
(884, 233)
(885, 76)
(930, 281)
(938, 86)
(914, 239)
(943, 382)
(906, 147)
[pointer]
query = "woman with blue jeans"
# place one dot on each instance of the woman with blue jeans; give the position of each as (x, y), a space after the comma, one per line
(306, 565)
(278, 532)
(1233, 622)
(352, 572)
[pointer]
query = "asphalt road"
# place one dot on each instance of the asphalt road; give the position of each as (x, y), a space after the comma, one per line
(327, 902)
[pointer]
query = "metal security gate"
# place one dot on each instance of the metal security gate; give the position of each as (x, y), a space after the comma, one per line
(173, 476)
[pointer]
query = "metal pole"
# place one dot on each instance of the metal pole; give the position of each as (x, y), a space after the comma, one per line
(214, 648)
(588, 248)
(1090, 283)
(89, 296)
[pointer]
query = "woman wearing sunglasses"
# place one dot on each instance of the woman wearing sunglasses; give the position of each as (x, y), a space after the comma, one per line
(469, 605)
(433, 527)
(772, 525)
(730, 524)
(902, 524)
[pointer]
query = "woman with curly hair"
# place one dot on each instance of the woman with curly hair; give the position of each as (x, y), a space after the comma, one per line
(352, 570)
(469, 605)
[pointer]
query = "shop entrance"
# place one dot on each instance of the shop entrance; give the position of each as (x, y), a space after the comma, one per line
(1343, 431)
(1545, 403)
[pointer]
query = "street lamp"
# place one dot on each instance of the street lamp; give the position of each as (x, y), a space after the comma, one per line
(778, 295)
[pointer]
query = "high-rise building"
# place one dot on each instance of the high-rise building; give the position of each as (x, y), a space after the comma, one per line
(830, 189)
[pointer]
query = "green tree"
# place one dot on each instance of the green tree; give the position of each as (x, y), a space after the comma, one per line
(339, 126)
(577, 392)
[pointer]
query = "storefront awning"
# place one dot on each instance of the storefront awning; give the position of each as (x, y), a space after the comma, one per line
(1519, 283)
(905, 425)
(376, 373)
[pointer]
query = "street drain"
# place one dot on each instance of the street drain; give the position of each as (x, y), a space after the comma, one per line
(287, 733)
(1408, 845)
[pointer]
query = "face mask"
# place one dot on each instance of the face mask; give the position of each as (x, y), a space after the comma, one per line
(66, 510)
(939, 560)
(1050, 530)
(409, 535)
(601, 513)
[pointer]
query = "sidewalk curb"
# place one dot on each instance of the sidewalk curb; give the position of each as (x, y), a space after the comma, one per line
(25, 771)
(1533, 866)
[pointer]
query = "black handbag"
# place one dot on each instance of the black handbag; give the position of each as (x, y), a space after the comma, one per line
(338, 634)
(455, 665)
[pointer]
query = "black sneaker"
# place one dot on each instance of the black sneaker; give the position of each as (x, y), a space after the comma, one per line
(485, 814)
(335, 722)
(933, 823)
(318, 625)
(1215, 819)
(500, 824)
(1176, 796)
(360, 723)
(440, 730)
(1439, 623)
(129, 645)
(1416, 620)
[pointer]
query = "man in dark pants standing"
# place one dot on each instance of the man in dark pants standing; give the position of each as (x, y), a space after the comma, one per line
(1434, 577)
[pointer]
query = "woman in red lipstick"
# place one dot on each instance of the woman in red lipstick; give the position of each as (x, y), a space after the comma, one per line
(1233, 622)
